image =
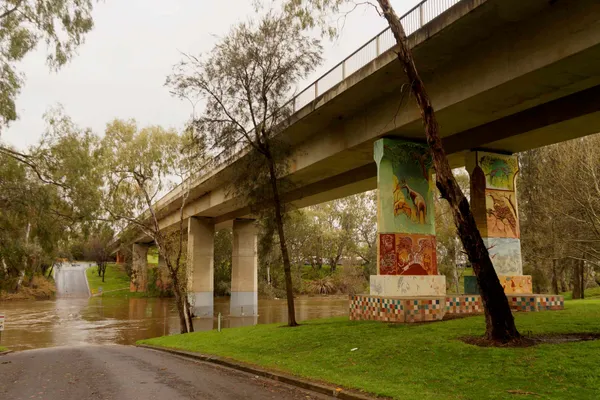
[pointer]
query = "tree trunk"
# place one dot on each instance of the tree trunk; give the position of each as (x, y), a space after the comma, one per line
(582, 271)
(287, 268)
(564, 287)
(555, 276)
(182, 302)
(456, 277)
(578, 279)
(500, 324)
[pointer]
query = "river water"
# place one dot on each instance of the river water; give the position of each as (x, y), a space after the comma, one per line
(97, 320)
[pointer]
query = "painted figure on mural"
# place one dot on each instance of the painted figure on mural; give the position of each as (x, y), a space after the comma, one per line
(499, 170)
(502, 214)
(401, 206)
(418, 203)
(416, 209)
(402, 254)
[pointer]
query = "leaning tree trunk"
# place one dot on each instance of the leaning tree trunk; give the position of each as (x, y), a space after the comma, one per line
(287, 267)
(182, 303)
(500, 324)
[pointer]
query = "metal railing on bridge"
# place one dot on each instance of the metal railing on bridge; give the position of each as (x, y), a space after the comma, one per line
(413, 20)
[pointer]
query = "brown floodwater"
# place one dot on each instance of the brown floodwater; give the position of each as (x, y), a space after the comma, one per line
(72, 322)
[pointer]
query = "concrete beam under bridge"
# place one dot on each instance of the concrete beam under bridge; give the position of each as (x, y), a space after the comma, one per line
(497, 80)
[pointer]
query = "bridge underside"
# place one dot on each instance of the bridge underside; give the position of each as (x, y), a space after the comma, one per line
(503, 75)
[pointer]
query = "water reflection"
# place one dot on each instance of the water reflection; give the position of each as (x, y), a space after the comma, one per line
(71, 322)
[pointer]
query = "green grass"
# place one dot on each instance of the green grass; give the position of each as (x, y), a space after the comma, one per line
(3, 349)
(420, 361)
(126, 294)
(115, 278)
(592, 293)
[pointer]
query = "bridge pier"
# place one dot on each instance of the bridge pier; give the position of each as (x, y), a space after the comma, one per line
(244, 271)
(200, 258)
(407, 260)
(494, 206)
(139, 276)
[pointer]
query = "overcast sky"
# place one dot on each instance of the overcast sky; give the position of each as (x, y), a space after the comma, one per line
(121, 69)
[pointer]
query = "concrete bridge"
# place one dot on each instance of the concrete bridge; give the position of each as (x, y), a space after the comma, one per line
(504, 76)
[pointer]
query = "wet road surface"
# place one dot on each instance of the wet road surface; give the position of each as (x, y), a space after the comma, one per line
(71, 280)
(128, 373)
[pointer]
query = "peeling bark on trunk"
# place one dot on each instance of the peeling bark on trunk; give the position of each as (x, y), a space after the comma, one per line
(183, 305)
(500, 324)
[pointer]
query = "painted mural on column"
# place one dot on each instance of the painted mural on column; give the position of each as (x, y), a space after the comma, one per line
(406, 222)
(494, 204)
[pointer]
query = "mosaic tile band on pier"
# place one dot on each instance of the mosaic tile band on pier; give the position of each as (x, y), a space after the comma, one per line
(420, 309)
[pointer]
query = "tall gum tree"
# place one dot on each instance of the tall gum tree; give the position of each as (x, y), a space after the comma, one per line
(246, 82)
(500, 324)
(140, 166)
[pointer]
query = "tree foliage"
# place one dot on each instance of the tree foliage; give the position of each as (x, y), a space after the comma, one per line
(60, 24)
(246, 81)
(559, 204)
(140, 166)
(37, 219)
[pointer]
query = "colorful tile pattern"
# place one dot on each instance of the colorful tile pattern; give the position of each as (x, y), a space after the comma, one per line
(363, 307)
(420, 309)
(522, 303)
(463, 305)
(545, 303)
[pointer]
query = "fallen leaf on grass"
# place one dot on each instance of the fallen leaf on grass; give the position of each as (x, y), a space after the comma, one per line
(517, 391)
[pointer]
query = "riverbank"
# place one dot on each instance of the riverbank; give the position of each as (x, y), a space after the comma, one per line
(115, 279)
(116, 284)
(419, 361)
(39, 288)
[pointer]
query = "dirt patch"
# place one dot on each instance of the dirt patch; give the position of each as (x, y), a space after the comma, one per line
(533, 340)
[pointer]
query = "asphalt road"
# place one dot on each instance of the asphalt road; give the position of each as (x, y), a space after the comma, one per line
(128, 373)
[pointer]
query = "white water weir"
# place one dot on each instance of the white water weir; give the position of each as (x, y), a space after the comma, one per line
(71, 280)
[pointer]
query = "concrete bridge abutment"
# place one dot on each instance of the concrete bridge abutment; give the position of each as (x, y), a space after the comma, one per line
(139, 275)
(244, 271)
(200, 259)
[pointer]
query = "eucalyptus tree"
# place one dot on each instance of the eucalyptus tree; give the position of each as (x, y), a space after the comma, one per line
(246, 82)
(97, 247)
(140, 166)
(37, 217)
(500, 324)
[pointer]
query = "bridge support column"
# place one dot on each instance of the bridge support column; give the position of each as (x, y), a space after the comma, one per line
(139, 272)
(407, 261)
(494, 206)
(244, 271)
(200, 258)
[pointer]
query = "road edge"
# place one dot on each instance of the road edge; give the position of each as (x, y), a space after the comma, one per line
(3, 353)
(276, 376)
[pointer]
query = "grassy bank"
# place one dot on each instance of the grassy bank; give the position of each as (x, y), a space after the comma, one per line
(3, 349)
(115, 279)
(592, 293)
(420, 361)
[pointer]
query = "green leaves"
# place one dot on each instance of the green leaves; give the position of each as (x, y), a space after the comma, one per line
(60, 24)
